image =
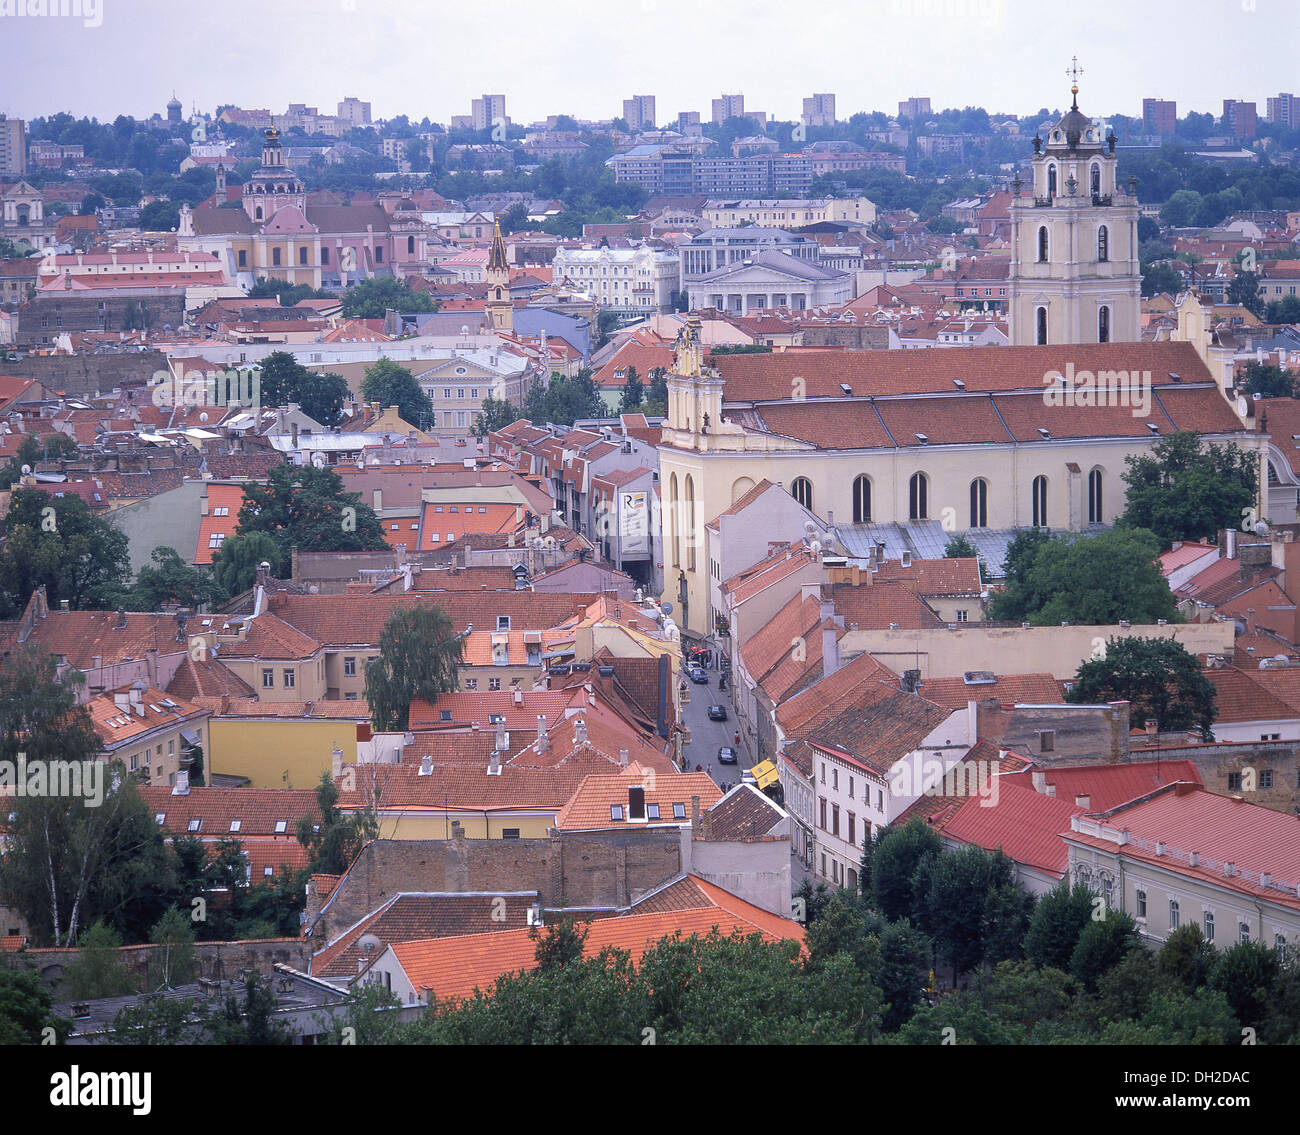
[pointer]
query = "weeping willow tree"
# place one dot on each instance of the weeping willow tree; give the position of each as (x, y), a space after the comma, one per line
(419, 656)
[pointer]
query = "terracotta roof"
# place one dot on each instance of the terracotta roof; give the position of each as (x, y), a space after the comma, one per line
(454, 967)
(1009, 689)
(220, 521)
(603, 801)
(854, 683)
(762, 377)
(420, 916)
(953, 576)
(117, 726)
(1187, 819)
(879, 605)
(207, 678)
(876, 736)
(1109, 786)
(744, 814)
(1023, 824)
(270, 637)
(465, 706)
(258, 811)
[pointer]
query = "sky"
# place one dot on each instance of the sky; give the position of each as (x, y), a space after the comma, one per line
(430, 57)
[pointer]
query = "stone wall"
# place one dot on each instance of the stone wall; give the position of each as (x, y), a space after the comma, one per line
(88, 374)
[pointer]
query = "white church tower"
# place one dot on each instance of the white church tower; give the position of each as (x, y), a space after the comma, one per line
(1074, 275)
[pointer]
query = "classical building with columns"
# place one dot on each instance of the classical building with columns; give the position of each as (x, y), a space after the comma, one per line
(1075, 276)
(970, 438)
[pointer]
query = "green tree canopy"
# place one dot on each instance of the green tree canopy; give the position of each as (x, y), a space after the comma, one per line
(1156, 676)
(419, 652)
(302, 506)
(234, 566)
(1057, 922)
(391, 384)
(1183, 491)
(497, 413)
(25, 1009)
(1093, 580)
(56, 542)
(894, 858)
(98, 970)
(371, 298)
(1267, 379)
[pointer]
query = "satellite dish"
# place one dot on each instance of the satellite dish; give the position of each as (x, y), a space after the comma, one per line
(1243, 407)
(666, 608)
(368, 944)
(264, 566)
(26, 470)
(1261, 529)
(203, 417)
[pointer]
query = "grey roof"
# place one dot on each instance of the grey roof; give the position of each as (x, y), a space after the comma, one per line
(924, 539)
(749, 233)
(775, 261)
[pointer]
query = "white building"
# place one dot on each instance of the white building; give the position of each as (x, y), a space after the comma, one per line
(770, 280)
(633, 281)
(789, 214)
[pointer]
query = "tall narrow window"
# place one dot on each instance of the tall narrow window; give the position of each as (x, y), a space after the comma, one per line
(675, 520)
(1103, 325)
(918, 497)
(275, 256)
(1094, 497)
(979, 503)
(1103, 243)
(801, 490)
(1096, 183)
(1051, 181)
(1040, 335)
(1042, 244)
(1039, 497)
(690, 522)
(861, 499)
(410, 245)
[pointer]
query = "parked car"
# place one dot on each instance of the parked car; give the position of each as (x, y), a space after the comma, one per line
(717, 713)
(699, 676)
(726, 755)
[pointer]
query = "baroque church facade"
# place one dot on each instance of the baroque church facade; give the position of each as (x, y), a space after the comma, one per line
(965, 440)
(272, 230)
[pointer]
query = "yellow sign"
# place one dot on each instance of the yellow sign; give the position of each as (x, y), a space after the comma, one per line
(765, 774)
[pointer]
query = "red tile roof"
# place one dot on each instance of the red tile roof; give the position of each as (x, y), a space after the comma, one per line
(1108, 786)
(1025, 825)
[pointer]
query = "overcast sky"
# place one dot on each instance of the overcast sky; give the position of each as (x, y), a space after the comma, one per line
(582, 57)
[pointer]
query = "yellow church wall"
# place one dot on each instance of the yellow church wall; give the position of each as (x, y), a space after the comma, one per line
(289, 753)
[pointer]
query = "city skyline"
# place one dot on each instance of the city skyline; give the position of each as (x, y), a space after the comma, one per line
(999, 54)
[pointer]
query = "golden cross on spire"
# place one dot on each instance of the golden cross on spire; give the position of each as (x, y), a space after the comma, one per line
(1074, 71)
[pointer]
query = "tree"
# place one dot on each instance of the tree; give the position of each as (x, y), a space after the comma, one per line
(905, 955)
(59, 445)
(497, 413)
(1160, 278)
(1245, 973)
(633, 392)
(1267, 379)
(419, 652)
(305, 507)
(157, 1020)
(1182, 491)
(174, 961)
(29, 453)
(1181, 209)
(322, 396)
(279, 378)
(1156, 676)
(1186, 956)
(72, 859)
(959, 548)
(172, 580)
(334, 842)
(1243, 290)
(957, 901)
(160, 217)
(1285, 310)
(1057, 922)
(98, 969)
(1102, 945)
(1093, 580)
(558, 945)
(894, 859)
(55, 542)
(371, 298)
(390, 384)
(25, 1009)
(234, 566)
(253, 1022)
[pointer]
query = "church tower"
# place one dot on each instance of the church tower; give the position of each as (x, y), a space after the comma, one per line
(273, 184)
(1074, 274)
(499, 308)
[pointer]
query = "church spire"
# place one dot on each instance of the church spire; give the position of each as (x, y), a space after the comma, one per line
(1074, 71)
(497, 257)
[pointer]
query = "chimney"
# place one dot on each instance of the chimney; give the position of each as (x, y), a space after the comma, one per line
(182, 785)
(580, 730)
(695, 815)
(622, 758)
(494, 764)
(518, 697)
(543, 743)
(122, 699)
(1040, 782)
(63, 605)
(120, 625)
(830, 651)
(336, 764)
(1082, 800)
(426, 766)
(1152, 726)
(502, 738)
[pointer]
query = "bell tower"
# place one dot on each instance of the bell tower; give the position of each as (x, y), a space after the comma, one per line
(273, 184)
(1074, 273)
(499, 308)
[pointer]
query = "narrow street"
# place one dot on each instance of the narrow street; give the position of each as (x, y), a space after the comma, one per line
(708, 736)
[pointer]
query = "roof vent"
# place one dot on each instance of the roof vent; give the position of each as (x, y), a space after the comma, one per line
(923, 439)
(1155, 429)
(848, 390)
(979, 678)
(1046, 433)
(959, 384)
